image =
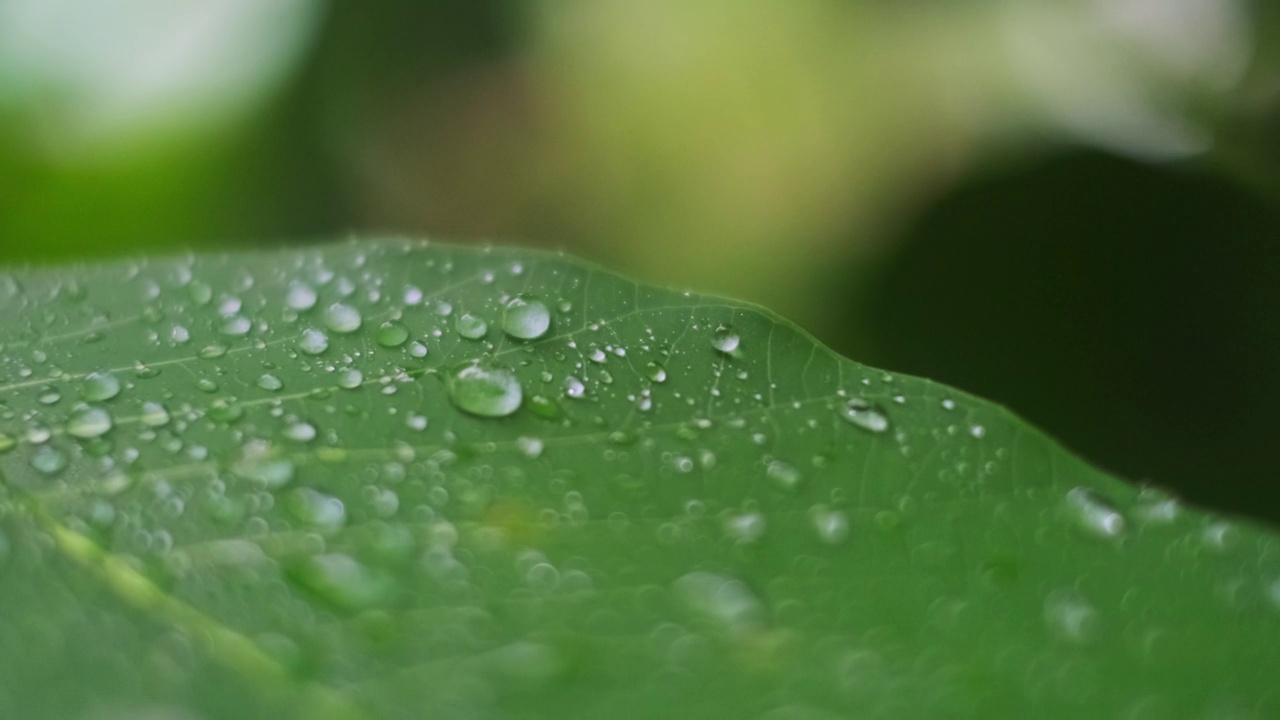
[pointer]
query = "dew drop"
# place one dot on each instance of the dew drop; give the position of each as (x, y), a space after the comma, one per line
(784, 475)
(350, 378)
(574, 388)
(341, 580)
(270, 382)
(300, 296)
(656, 372)
(7, 442)
(99, 386)
(154, 414)
(313, 342)
(1094, 514)
(485, 390)
(530, 447)
(728, 602)
(48, 460)
(470, 326)
(301, 432)
(526, 318)
(235, 326)
(342, 318)
(1070, 617)
(392, 334)
(325, 512)
(726, 340)
(832, 525)
(745, 527)
(88, 422)
(865, 415)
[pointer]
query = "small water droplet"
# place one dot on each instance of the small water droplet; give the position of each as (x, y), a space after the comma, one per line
(530, 447)
(100, 386)
(302, 432)
(322, 511)
(1070, 617)
(784, 475)
(832, 525)
(485, 390)
(745, 527)
(300, 296)
(270, 382)
(1094, 513)
(471, 326)
(48, 460)
(350, 378)
(574, 388)
(154, 414)
(526, 318)
(865, 415)
(656, 372)
(88, 422)
(235, 326)
(342, 318)
(392, 334)
(313, 342)
(343, 581)
(727, 602)
(726, 340)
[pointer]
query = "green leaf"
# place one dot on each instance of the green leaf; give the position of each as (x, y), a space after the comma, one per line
(400, 480)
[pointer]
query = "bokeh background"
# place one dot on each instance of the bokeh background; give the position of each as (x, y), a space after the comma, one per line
(1069, 206)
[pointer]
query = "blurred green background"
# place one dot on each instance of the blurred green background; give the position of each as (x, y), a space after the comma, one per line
(1068, 206)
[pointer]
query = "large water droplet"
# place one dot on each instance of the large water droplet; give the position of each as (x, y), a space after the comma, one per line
(471, 326)
(1094, 514)
(865, 415)
(302, 432)
(154, 414)
(350, 378)
(235, 325)
(726, 340)
(485, 390)
(392, 334)
(99, 386)
(313, 342)
(526, 318)
(267, 381)
(88, 422)
(656, 372)
(574, 388)
(342, 318)
(745, 527)
(784, 475)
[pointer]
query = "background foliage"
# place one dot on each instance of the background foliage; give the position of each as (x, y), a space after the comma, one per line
(1068, 208)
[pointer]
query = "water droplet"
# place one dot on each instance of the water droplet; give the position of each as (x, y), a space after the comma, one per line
(1094, 514)
(48, 460)
(201, 293)
(574, 388)
(302, 432)
(526, 318)
(865, 415)
(530, 447)
(207, 385)
(313, 342)
(154, 414)
(342, 318)
(832, 525)
(7, 442)
(235, 325)
(300, 296)
(392, 334)
(784, 475)
(99, 386)
(270, 472)
(350, 378)
(470, 326)
(726, 340)
(315, 508)
(270, 382)
(656, 372)
(545, 407)
(1156, 507)
(88, 422)
(745, 527)
(225, 410)
(1070, 617)
(343, 581)
(485, 390)
(728, 602)
(212, 352)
